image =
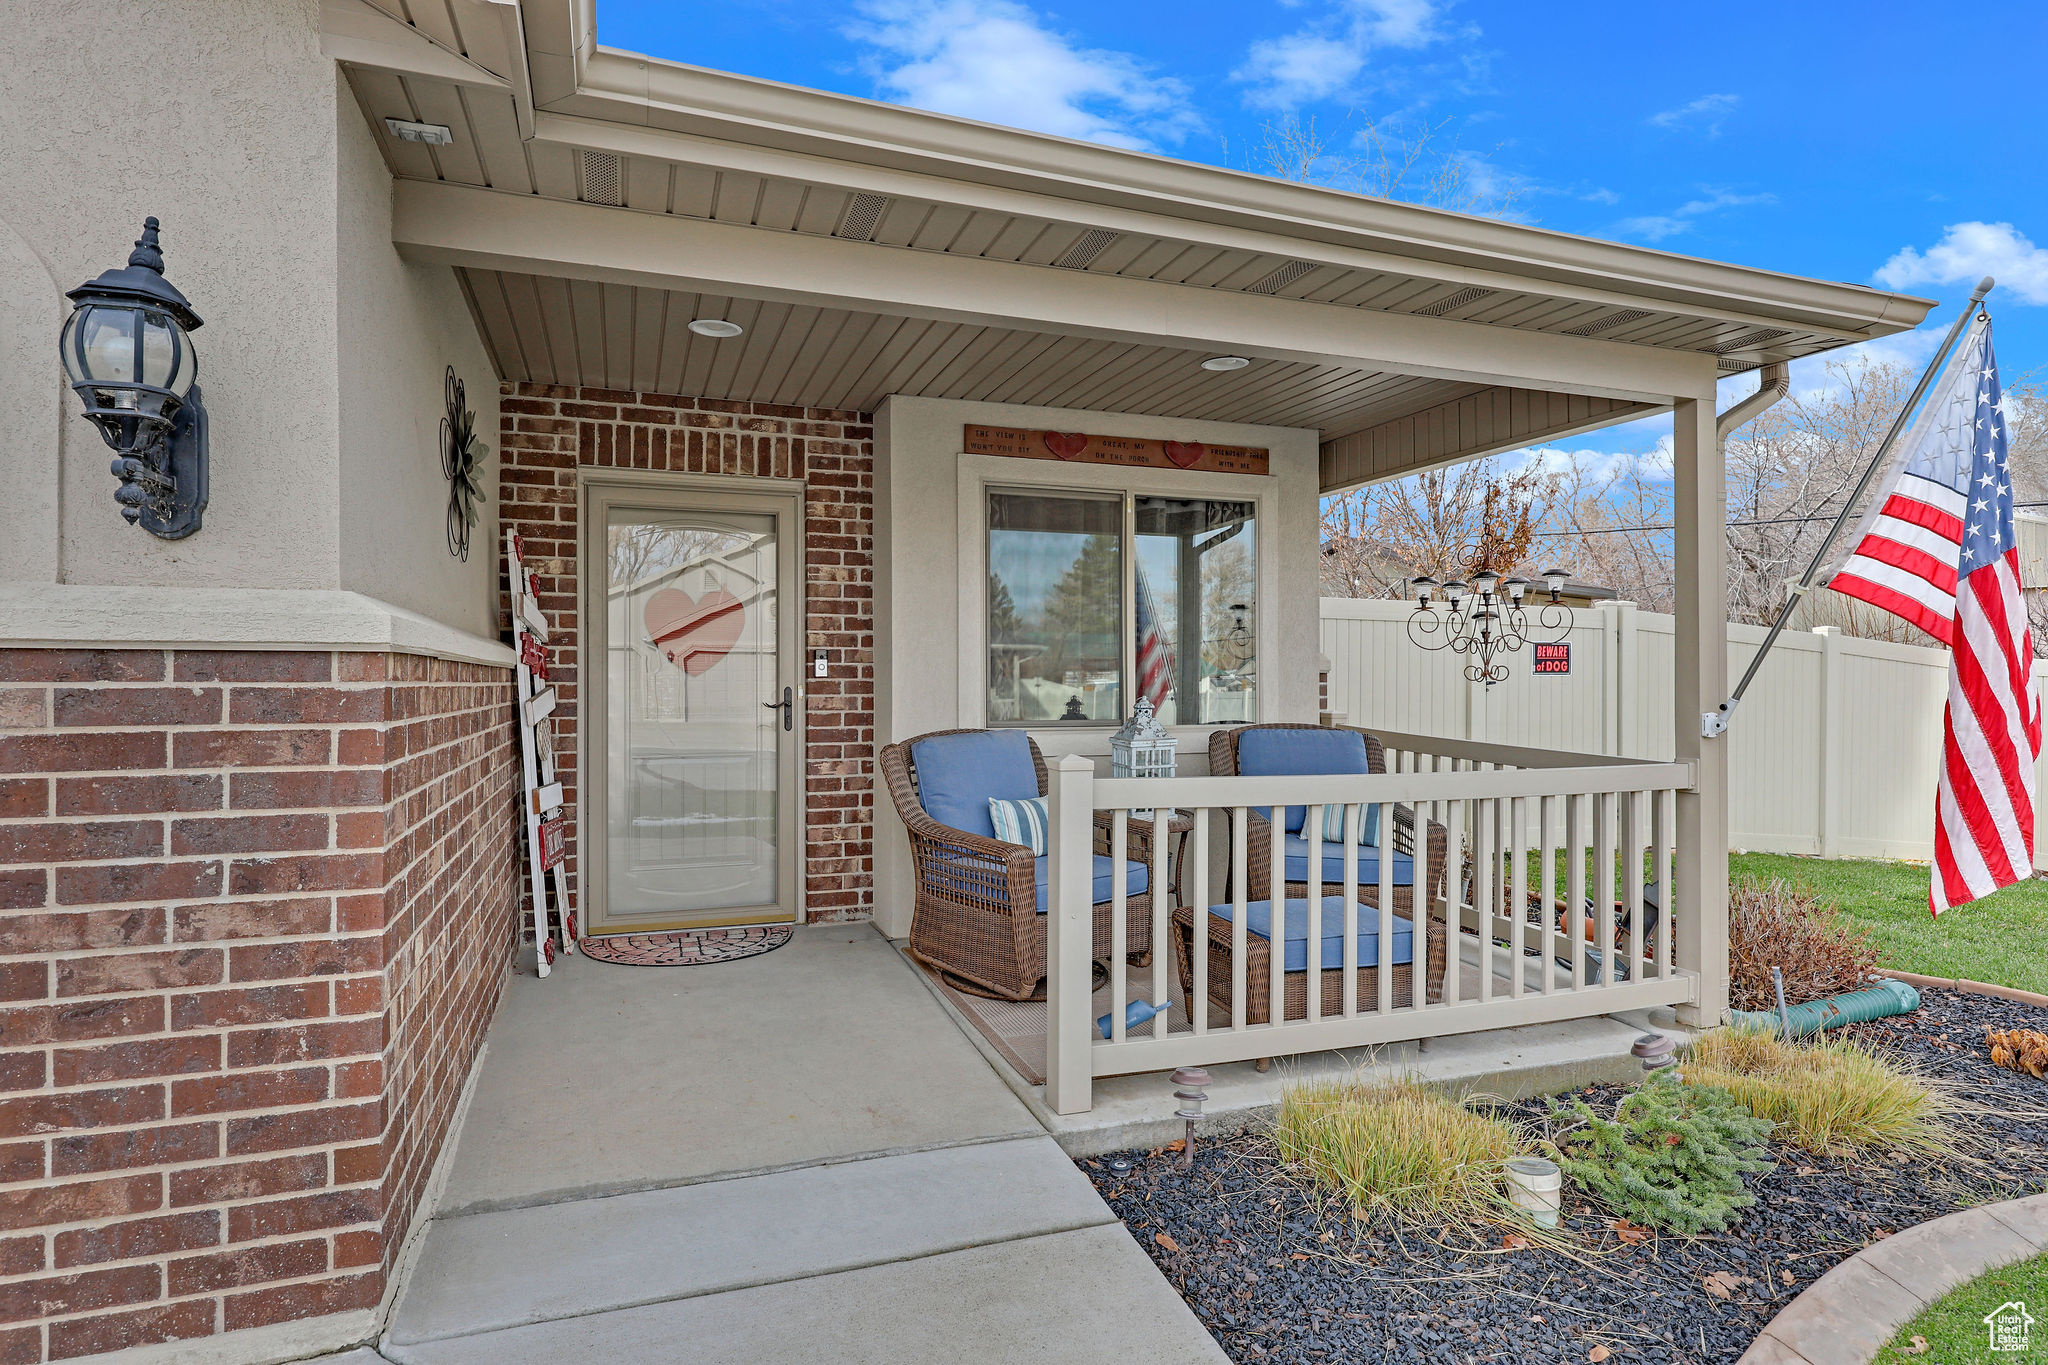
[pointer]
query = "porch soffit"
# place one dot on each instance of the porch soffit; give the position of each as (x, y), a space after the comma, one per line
(621, 160)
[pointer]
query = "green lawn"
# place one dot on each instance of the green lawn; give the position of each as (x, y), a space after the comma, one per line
(2002, 939)
(1954, 1329)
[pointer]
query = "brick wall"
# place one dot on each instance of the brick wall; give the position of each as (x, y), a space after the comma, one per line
(255, 912)
(549, 432)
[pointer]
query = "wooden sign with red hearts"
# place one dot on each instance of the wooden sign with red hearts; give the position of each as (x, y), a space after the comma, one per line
(695, 632)
(1075, 447)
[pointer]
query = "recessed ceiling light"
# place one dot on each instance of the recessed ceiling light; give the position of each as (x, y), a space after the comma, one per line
(1225, 362)
(716, 327)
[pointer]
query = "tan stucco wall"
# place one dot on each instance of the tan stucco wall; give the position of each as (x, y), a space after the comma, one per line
(322, 354)
(918, 584)
(217, 116)
(401, 325)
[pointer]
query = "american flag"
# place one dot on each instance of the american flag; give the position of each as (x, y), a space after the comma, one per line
(1939, 550)
(1155, 651)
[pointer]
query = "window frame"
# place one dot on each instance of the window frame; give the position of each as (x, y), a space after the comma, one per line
(980, 475)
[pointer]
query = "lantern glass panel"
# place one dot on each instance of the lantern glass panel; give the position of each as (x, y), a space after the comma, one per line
(163, 346)
(104, 345)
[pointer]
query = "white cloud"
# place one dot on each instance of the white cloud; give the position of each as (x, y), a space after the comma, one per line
(1721, 199)
(1602, 195)
(1966, 253)
(1706, 113)
(996, 60)
(1325, 56)
(1654, 228)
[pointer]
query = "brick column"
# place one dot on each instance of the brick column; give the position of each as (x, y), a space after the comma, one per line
(255, 913)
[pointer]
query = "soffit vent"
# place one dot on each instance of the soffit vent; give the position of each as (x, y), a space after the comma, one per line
(1277, 279)
(1749, 339)
(1086, 248)
(1464, 297)
(861, 216)
(1612, 320)
(604, 181)
(1733, 365)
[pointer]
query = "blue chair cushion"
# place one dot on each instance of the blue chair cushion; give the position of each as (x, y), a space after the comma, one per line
(1258, 920)
(1136, 878)
(1300, 753)
(1295, 848)
(957, 774)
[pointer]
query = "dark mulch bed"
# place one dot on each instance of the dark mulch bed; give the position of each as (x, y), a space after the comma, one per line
(1279, 1271)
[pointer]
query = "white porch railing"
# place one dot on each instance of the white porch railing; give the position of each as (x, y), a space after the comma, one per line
(1498, 806)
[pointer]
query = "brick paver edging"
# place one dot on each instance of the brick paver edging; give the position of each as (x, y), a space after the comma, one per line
(1853, 1310)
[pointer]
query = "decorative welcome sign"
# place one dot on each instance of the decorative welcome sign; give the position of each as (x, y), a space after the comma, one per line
(1076, 448)
(541, 793)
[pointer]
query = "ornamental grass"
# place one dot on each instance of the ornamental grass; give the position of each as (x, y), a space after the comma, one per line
(1397, 1148)
(1831, 1096)
(1776, 924)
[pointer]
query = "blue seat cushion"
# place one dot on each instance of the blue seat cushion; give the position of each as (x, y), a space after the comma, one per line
(1300, 753)
(1136, 878)
(957, 774)
(1258, 918)
(1295, 848)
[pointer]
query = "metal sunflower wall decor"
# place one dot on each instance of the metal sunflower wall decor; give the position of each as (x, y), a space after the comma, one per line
(461, 453)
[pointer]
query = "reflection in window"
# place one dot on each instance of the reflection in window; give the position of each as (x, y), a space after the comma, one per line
(1196, 612)
(1055, 608)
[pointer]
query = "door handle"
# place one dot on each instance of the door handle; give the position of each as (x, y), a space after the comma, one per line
(787, 706)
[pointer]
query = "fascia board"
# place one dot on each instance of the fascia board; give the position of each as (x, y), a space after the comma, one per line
(461, 225)
(629, 89)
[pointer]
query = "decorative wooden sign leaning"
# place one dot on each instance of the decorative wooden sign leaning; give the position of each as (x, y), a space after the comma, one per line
(540, 794)
(1075, 448)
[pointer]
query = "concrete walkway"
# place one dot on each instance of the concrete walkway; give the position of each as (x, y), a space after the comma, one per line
(798, 1156)
(1847, 1315)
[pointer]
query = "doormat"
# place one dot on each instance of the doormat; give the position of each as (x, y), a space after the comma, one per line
(687, 947)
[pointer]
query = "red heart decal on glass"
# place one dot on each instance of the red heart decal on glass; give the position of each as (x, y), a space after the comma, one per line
(1186, 454)
(1067, 445)
(694, 632)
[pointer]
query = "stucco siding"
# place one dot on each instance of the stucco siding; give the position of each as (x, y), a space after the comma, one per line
(218, 117)
(399, 326)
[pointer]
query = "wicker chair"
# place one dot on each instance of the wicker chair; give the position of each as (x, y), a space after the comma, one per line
(976, 917)
(1223, 762)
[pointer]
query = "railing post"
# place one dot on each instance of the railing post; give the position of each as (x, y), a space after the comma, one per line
(1069, 936)
(1699, 675)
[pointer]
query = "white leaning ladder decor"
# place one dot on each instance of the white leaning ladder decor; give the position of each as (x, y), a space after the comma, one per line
(541, 792)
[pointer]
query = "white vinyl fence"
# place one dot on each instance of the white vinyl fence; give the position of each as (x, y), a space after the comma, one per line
(1833, 752)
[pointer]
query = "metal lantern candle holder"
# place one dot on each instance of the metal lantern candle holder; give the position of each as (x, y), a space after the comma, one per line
(1142, 749)
(127, 350)
(1487, 618)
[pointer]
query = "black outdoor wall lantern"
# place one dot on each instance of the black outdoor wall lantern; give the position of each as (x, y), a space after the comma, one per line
(128, 350)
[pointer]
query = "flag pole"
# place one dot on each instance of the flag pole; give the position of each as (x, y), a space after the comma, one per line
(1715, 722)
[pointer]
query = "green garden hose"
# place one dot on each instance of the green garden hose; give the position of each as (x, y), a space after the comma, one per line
(1887, 997)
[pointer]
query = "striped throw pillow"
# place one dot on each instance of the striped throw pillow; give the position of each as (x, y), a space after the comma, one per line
(1368, 827)
(1020, 822)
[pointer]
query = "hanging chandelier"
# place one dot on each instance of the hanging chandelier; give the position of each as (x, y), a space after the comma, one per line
(1487, 618)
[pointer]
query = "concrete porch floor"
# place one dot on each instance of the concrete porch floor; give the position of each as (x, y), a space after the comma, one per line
(792, 1157)
(809, 1155)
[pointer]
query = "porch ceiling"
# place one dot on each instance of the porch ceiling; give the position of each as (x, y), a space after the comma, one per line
(551, 330)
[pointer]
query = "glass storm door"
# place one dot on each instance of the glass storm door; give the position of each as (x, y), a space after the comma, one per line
(700, 722)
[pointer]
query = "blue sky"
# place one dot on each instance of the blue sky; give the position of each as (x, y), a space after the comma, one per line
(1879, 142)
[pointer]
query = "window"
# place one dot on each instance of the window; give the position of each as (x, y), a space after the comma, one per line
(1072, 635)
